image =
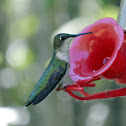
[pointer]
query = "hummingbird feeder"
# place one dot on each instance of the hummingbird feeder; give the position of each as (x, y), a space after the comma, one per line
(101, 54)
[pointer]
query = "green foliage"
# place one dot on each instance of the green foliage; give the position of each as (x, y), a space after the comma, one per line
(28, 26)
(106, 12)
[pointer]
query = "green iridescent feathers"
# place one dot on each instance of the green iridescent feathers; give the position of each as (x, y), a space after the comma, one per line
(50, 78)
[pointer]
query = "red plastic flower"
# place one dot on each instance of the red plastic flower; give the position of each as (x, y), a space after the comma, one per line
(100, 54)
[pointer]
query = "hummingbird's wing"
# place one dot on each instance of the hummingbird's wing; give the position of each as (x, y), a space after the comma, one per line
(48, 81)
(37, 97)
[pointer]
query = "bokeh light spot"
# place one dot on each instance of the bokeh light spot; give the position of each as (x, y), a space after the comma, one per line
(17, 53)
(16, 116)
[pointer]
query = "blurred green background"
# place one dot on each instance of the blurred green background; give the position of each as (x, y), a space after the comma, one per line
(27, 28)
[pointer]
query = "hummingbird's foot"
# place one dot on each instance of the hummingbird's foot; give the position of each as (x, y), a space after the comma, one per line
(63, 87)
(71, 87)
(58, 89)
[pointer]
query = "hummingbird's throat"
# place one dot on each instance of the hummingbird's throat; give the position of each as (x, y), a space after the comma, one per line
(63, 52)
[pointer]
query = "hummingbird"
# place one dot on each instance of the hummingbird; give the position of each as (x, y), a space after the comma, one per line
(55, 70)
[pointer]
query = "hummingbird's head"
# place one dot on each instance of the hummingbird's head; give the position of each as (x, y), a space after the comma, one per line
(62, 43)
(60, 39)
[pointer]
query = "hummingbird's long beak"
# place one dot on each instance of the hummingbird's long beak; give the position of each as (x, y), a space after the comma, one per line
(80, 34)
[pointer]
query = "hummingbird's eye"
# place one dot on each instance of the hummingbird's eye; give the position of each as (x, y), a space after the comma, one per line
(63, 38)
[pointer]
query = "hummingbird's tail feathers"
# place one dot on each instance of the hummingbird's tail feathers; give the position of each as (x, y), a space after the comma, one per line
(38, 98)
(43, 94)
(38, 95)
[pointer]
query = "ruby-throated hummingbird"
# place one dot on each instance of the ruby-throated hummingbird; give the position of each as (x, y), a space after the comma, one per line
(55, 70)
